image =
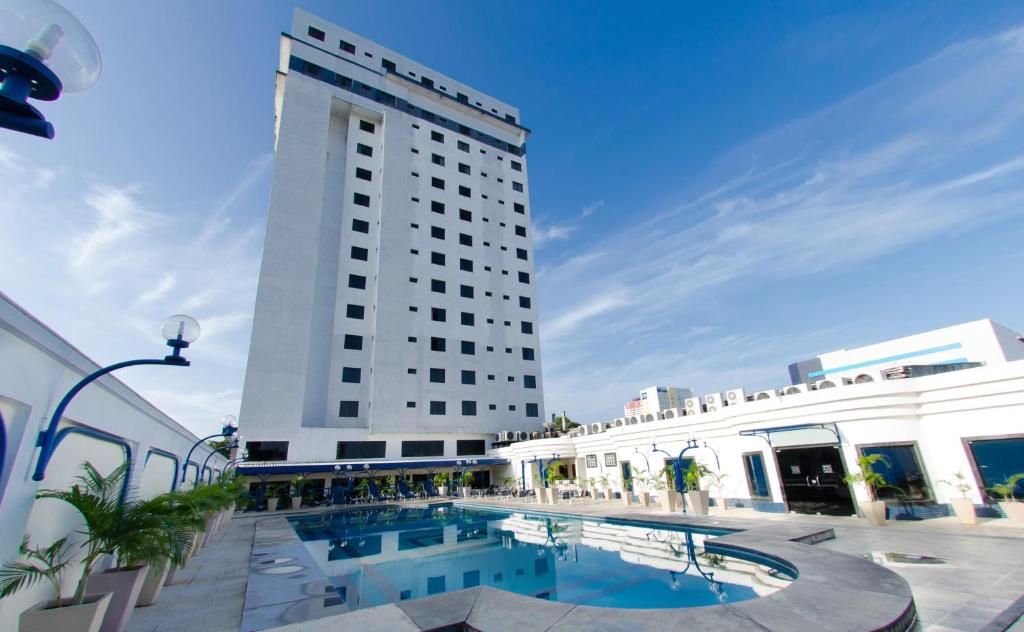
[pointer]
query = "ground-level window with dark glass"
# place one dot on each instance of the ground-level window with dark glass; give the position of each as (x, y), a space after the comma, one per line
(757, 476)
(267, 450)
(901, 468)
(422, 448)
(995, 460)
(469, 447)
(360, 449)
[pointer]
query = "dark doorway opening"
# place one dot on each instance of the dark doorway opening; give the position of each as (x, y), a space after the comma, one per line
(812, 480)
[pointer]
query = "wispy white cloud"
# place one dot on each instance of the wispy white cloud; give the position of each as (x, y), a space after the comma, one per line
(136, 266)
(544, 232)
(219, 219)
(160, 290)
(928, 153)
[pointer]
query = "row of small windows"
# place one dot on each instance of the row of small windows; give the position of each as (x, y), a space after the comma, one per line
(469, 377)
(440, 314)
(439, 208)
(358, 312)
(353, 375)
(354, 342)
(390, 66)
(380, 96)
(278, 450)
(350, 408)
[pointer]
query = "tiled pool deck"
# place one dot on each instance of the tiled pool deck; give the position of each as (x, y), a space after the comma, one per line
(983, 579)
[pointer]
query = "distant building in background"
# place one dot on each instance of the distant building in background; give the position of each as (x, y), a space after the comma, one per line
(654, 399)
(982, 341)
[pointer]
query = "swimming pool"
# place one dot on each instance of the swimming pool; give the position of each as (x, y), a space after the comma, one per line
(382, 555)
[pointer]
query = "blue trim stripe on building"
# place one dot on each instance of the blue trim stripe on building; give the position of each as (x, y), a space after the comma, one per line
(893, 358)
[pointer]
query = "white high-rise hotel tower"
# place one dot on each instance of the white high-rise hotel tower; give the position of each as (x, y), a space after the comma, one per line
(396, 312)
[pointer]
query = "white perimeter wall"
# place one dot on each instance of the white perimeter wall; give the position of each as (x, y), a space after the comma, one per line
(37, 367)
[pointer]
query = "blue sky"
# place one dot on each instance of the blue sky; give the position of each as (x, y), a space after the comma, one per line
(717, 189)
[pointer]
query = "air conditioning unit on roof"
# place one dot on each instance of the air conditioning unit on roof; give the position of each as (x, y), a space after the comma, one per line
(596, 427)
(796, 389)
(692, 405)
(826, 384)
(735, 397)
(713, 401)
(769, 394)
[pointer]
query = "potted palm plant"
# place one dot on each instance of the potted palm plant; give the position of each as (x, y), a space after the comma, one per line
(273, 496)
(120, 526)
(59, 614)
(553, 476)
(669, 496)
(606, 486)
(642, 483)
(1012, 508)
(717, 481)
(467, 483)
(441, 483)
(696, 497)
(873, 510)
(963, 507)
(167, 553)
(297, 484)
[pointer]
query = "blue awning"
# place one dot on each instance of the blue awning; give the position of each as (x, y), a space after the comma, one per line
(364, 467)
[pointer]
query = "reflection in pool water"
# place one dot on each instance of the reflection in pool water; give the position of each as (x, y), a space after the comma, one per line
(383, 555)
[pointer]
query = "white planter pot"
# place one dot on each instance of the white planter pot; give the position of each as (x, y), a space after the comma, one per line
(669, 500)
(723, 503)
(1013, 511)
(466, 491)
(272, 504)
(170, 574)
(698, 502)
(211, 528)
(87, 617)
(442, 491)
(873, 511)
(645, 499)
(156, 579)
(296, 502)
(553, 495)
(125, 584)
(627, 498)
(964, 509)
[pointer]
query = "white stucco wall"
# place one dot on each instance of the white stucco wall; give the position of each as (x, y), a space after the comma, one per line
(38, 367)
(934, 412)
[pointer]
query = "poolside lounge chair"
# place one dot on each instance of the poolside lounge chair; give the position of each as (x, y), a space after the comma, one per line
(403, 489)
(371, 488)
(428, 487)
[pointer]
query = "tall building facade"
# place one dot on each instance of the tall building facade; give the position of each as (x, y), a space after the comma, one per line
(396, 311)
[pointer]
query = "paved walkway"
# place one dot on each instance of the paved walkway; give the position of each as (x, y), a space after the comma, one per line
(208, 594)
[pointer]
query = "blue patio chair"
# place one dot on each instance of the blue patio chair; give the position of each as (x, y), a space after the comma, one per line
(371, 488)
(403, 489)
(428, 487)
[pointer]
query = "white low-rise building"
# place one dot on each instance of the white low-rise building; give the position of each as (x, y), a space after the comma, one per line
(788, 449)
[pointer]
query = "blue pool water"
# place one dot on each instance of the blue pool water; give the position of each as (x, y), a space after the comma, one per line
(382, 555)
